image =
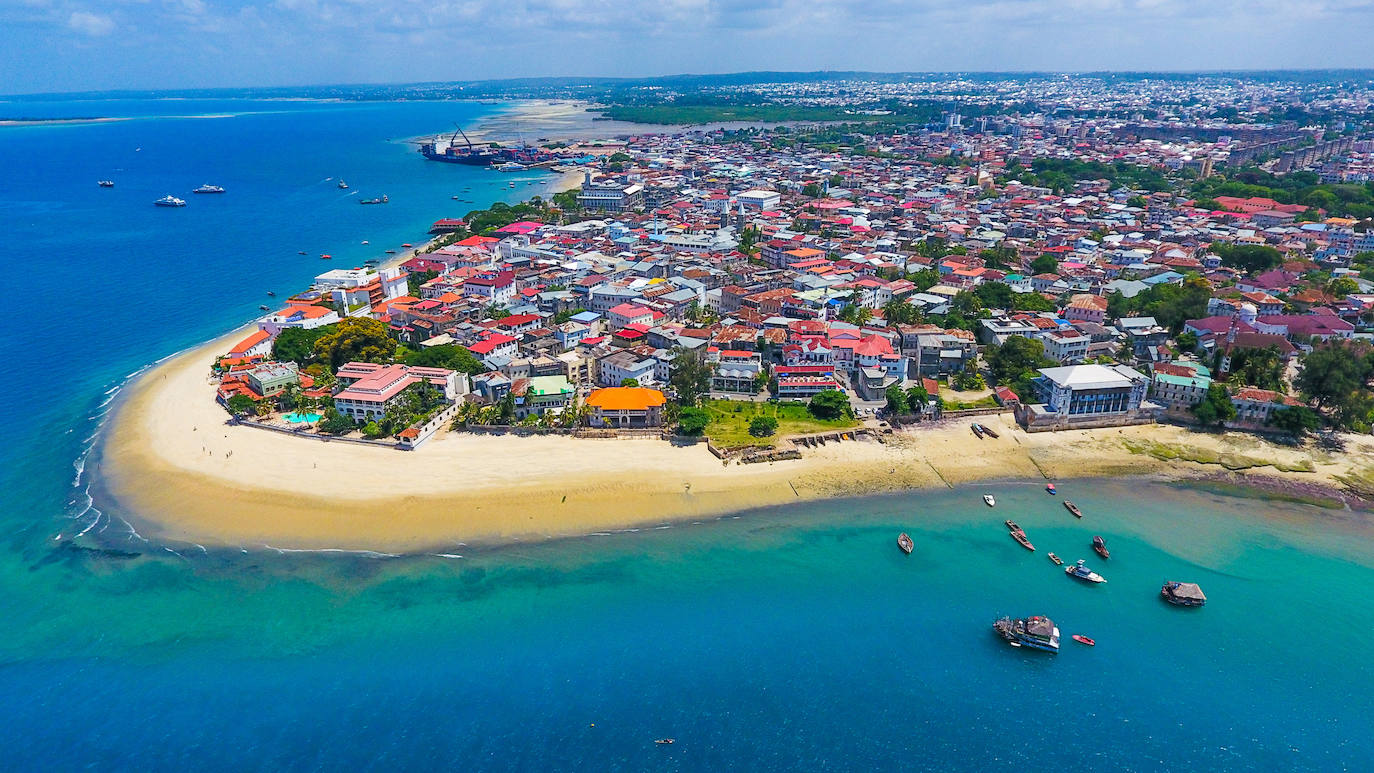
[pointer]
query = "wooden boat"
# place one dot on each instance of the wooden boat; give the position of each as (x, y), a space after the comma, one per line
(664, 742)
(1081, 639)
(1022, 540)
(977, 430)
(989, 501)
(1011, 525)
(1183, 594)
(1071, 507)
(1100, 546)
(1056, 559)
(989, 431)
(904, 542)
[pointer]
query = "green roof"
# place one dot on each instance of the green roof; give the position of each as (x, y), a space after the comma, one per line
(1184, 381)
(541, 386)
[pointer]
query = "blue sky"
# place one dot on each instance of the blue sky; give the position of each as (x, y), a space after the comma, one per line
(63, 45)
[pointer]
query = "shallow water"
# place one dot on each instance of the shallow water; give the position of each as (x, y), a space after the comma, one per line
(796, 638)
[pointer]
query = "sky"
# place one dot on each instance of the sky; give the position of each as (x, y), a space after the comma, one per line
(79, 45)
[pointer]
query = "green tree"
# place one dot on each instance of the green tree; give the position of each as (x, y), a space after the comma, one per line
(1342, 286)
(1045, 264)
(1015, 357)
(925, 279)
(917, 397)
(241, 405)
(1261, 368)
(763, 426)
(335, 423)
(417, 278)
(449, 356)
(1031, 302)
(629, 382)
(1138, 202)
(372, 430)
(829, 404)
(1251, 258)
(901, 313)
(356, 339)
(692, 421)
(1296, 420)
(897, 400)
(689, 376)
(994, 295)
(296, 345)
(1187, 341)
(1215, 408)
(1331, 373)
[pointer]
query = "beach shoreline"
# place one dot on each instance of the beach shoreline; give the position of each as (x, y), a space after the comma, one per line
(170, 462)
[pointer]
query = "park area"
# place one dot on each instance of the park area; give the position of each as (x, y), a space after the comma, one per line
(729, 426)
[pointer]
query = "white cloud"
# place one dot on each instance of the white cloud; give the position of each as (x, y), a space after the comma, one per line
(93, 24)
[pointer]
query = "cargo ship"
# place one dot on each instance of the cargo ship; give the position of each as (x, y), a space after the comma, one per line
(450, 152)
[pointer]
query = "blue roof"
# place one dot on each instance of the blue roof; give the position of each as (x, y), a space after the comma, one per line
(1167, 276)
(585, 316)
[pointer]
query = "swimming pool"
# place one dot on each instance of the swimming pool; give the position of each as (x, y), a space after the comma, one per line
(302, 418)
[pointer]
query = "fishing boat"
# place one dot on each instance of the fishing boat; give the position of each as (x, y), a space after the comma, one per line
(1056, 559)
(208, 188)
(904, 542)
(1081, 572)
(1018, 534)
(169, 201)
(1183, 594)
(1050, 488)
(391, 252)
(1100, 545)
(382, 200)
(343, 186)
(977, 430)
(105, 183)
(989, 501)
(1081, 639)
(1071, 507)
(1037, 633)
(989, 431)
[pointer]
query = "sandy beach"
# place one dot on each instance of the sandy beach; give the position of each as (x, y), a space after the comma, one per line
(171, 464)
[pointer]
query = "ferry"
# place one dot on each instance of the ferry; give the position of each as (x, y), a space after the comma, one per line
(904, 542)
(1081, 572)
(1037, 633)
(169, 201)
(105, 183)
(381, 200)
(208, 188)
(1183, 594)
(510, 166)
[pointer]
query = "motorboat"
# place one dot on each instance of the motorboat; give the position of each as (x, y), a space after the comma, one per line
(264, 308)
(1183, 594)
(664, 741)
(271, 294)
(169, 201)
(1050, 488)
(1081, 639)
(904, 542)
(326, 257)
(380, 200)
(1081, 572)
(1100, 545)
(1071, 507)
(1056, 559)
(105, 183)
(1037, 633)
(989, 501)
(343, 186)
(208, 188)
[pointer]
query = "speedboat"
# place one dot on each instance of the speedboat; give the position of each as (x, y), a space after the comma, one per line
(326, 257)
(1081, 639)
(1050, 488)
(364, 241)
(1081, 572)
(904, 542)
(264, 308)
(1100, 545)
(1056, 559)
(208, 188)
(1037, 633)
(1071, 507)
(664, 742)
(271, 294)
(169, 201)
(105, 183)
(987, 499)
(343, 186)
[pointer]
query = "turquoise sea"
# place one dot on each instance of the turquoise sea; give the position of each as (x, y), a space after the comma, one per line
(796, 638)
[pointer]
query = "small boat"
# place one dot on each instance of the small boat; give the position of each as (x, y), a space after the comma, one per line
(326, 257)
(382, 200)
(208, 188)
(364, 241)
(1183, 594)
(904, 542)
(664, 741)
(300, 252)
(989, 501)
(1081, 639)
(105, 183)
(1038, 633)
(271, 294)
(1081, 572)
(1019, 534)
(1071, 507)
(264, 308)
(977, 430)
(406, 246)
(169, 201)
(1100, 546)
(391, 252)
(1056, 559)
(343, 186)
(1050, 488)
(989, 431)
(455, 198)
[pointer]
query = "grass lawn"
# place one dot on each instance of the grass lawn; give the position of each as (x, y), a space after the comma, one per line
(730, 419)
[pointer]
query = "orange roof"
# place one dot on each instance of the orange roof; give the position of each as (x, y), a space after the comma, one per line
(626, 399)
(249, 342)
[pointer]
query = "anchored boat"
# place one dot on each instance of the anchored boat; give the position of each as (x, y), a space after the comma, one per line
(1081, 572)
(1100, 546)
(904, 542)
(1037, 633)
(1183, 594)
(1071, 507)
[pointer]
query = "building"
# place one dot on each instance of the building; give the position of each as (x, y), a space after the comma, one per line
(1255, 407)
(1085, 307)
(802, 382)
(370, 388)
(608, 196)
(1090, 390)
(544, 393)
(624, 407)
(1066, 346)
(272, 378)
(615, 368)
(759, 200)
(303, 316)
(736, 372)
(1178, 386)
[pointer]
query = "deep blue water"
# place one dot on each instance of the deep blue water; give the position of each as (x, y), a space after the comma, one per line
(793, 639)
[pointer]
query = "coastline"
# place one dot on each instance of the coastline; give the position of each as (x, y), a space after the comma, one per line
(171, 464)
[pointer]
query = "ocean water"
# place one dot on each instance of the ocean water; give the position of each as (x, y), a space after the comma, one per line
(796, 638)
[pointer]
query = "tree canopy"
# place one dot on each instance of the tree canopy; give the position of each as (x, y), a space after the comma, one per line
(1251, 258)
(356, 339)
(690, 377)
(449, 356)
(829, 404)
(297, 345)
(1045, 264)
(1215, 408)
